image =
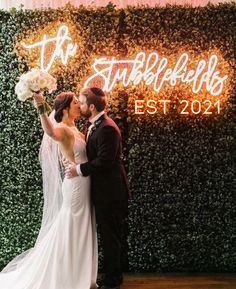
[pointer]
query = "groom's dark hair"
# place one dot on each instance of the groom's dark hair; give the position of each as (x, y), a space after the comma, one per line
(95, 96)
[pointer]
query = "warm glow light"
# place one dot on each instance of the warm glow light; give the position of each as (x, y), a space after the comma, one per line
(60, 39)
(186, 82)
(156, 71)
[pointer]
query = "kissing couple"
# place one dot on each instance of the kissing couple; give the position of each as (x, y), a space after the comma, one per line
(84, 184)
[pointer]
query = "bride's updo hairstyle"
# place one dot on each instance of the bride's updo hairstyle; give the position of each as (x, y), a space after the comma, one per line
(62, 101)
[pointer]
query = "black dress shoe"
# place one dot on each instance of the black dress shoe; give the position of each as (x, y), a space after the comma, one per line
(109, 282)
(108, 287)
(99, 283)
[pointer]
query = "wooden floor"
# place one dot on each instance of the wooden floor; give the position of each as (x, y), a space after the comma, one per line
(179, 281)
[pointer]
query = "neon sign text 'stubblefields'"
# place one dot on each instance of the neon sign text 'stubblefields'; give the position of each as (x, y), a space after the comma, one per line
(61, 38)
(155, 71)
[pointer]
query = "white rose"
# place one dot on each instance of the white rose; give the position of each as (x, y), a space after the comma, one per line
(42, 83)
(33, 85)
(23, 93)
(34, 73)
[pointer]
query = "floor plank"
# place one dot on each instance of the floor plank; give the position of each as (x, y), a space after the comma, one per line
(179, 281)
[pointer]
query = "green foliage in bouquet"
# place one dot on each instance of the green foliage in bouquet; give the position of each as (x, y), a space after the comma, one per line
(181, 170)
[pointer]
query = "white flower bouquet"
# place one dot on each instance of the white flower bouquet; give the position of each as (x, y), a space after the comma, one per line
(32, 82)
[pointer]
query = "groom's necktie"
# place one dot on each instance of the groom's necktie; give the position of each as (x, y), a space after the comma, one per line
(86, 127)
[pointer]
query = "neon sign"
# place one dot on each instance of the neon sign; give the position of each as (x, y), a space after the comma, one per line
(61, 38)
(186, 107)
(151, 69)
(154, 71)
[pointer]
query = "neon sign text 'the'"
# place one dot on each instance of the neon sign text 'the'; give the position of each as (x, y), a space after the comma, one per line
(60, 39)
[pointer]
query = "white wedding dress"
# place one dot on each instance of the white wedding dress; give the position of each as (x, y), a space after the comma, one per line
(65, 257)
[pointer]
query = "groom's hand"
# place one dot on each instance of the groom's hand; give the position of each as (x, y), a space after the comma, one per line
(70, 171)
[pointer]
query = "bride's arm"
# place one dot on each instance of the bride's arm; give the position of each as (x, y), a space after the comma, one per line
(82, 135)
(58, 134)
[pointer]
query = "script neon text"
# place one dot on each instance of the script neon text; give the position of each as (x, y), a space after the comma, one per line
(61, 38)
(156, 71)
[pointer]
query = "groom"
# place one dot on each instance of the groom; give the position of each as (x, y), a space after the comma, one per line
(109, 188)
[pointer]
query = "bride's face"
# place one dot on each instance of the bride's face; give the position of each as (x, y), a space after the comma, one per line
(74, 107)
(84, 108)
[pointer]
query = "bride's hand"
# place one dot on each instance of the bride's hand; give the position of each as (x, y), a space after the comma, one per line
(38, 99)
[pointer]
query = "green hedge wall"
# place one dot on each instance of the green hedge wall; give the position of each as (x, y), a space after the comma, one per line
(182, 171)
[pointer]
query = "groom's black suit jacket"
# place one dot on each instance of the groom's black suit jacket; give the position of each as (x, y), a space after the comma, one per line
(105, 164)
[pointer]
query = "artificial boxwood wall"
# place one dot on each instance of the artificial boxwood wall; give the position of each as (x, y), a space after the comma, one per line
(181, 170)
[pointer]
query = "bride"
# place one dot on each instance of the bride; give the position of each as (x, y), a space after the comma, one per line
(65, 252)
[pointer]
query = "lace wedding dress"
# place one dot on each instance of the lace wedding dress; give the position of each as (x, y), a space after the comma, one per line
(65, 253)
